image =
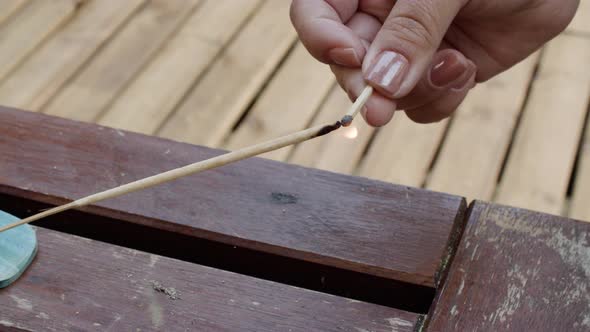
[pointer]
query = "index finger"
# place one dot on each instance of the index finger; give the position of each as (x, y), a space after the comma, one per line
(321, 28)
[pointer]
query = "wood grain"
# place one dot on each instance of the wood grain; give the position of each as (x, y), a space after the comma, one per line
(215, 105)
(43, 74)
(517, 270)
(341, 151)
(115, 66)
(540, 164)
(80, 284)
(340, 221)
(9, 8)
(475, 148)
(403, 151)
(37, 21)
(287, 104)
(147, 102)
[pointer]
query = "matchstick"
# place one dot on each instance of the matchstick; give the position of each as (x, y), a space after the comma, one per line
(204, 165)
(357, 106)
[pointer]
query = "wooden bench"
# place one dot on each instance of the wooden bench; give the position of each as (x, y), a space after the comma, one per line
(264, 246)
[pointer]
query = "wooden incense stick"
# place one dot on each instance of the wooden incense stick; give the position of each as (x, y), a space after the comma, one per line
(204, 165)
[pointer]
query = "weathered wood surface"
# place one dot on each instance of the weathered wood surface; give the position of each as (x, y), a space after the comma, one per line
(229, 79)
(519, 271)
(80, 284)
(336, 220)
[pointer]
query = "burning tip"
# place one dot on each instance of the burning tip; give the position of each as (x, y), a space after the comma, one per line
(346, 120)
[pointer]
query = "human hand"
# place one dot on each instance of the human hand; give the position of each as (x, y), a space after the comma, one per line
(423, 56)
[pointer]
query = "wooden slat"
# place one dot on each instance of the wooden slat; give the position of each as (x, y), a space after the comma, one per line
(9, 8)
(517, 271)
(210, 111)
(540, 163)
(34, 82)
(29, 28)
(476, 145)
(340, 152)
(288, 104)
(111, 70)
(335, 220)
(149, 100)
(403, 151)
(579, 208)
(581, 22)
(90, 285)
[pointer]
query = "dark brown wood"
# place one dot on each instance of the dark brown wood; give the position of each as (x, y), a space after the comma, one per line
(335, 220)
(78, 284)
(517, 270)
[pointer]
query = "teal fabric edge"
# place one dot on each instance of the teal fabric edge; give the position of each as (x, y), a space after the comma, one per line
(27, 247)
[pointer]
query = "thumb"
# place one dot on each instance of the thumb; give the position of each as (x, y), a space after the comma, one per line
(403, 49)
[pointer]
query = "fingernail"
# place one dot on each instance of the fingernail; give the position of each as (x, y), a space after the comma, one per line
(466, 80)
(448, 69)
(345, 57)
(388, 72)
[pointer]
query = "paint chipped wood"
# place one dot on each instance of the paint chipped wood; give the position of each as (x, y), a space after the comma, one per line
(517, 270)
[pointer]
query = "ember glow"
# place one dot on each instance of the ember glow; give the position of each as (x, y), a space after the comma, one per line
(350, 132)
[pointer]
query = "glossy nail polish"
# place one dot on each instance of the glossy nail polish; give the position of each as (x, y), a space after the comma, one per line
(467, 83)
(387, 72)
(467, 80)
(345, 57)
(448, 69)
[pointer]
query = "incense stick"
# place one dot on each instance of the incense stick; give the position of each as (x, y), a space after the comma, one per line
(200, 166)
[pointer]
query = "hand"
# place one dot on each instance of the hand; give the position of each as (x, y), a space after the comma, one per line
(423, 56)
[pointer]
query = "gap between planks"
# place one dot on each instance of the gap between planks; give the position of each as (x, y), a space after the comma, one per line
(146, 103)
(86, 96)
(42, 75)
(539, 167)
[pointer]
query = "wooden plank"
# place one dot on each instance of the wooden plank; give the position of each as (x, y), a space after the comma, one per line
(9, 8)
(517, 270)
(39, 78)
(29, 28)
(146, 103)
(579, 208)
(288, 104)
(581, 22)
(475, 148)
(341, 151)
(133, 297)
(403, 151)
(540, 164)
(115, 66)
(320, 217)
(214, 106)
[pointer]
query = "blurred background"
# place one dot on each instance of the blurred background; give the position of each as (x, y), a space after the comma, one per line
(230, 73)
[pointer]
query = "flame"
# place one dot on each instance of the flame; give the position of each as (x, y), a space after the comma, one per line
(351, 132)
